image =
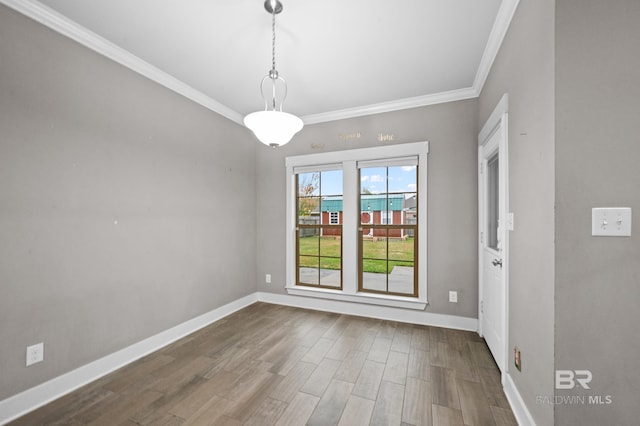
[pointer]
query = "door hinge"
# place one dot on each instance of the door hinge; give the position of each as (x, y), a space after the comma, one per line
(481, 237)
(481, 168)
(482, 306)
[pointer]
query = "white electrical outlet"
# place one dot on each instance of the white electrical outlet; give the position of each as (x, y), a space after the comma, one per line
(453, 296)
(267, 278)
(35, 353)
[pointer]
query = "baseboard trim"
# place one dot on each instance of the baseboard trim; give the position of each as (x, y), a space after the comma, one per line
(519, 408)
(27, 401)
(372, 311)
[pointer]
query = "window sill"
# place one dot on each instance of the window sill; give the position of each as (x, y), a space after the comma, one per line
(369, 298)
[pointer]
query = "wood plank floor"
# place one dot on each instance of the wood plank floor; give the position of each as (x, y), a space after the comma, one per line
(277, 365)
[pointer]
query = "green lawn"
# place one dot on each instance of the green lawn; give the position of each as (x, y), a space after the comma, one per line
(375, 253)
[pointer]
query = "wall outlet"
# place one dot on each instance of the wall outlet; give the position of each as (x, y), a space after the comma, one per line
(267, 278)
(453, 296)
(35, 353)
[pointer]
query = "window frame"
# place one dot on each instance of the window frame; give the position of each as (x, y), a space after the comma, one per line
(320, 227)
(387, 226)
(347, 161)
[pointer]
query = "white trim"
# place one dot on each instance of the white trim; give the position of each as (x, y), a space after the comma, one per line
(494, 119)
(68, 28)
(318, 168)
(367, 298)
(390, 162)
(397, 105)
(24, 402)
(496, 37)
(372, 311)
(519, 408)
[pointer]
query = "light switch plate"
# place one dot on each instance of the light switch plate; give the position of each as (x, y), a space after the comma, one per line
(510, 221)
(611, 222)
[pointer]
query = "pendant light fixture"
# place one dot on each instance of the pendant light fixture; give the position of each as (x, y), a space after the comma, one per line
(273, 127)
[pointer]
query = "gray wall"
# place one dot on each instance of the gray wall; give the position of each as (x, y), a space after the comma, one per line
(597, 153)
(524, 68)
(451, 130)
(84, 143)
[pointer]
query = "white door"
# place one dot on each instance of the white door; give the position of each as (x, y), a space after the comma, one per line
(493, 243)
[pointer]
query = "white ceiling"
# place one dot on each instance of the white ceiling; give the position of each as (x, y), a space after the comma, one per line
(340, 58)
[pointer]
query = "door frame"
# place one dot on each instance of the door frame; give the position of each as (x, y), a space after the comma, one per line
(497, 122)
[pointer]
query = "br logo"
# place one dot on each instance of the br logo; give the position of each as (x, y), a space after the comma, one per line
(566, 379)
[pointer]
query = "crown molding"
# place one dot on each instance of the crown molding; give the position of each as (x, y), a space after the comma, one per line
(63, 25)
(498, 32)
(418, 101)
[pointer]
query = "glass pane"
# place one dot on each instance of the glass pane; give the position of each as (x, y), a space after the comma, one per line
(320, 203)
(375, 246)
(309, 198)
(309, 270)
(401, 246)
(308, 245)
(309, 184)
(411, 209)
(373, 180)
(492, 202)
(376, 281)
(374, 260)
(309, 210)
(330, 242)
(401, 277)
(330, 272)
(331, 208)
(402, 179)
(366, 217)
(331, 183)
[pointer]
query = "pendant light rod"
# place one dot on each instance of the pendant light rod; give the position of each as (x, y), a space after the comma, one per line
(273, 41)
(273, 127)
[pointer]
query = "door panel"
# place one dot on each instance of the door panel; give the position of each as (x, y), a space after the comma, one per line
(492, 304)
(492, 294)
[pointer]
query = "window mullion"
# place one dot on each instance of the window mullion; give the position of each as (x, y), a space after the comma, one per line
(350, 190)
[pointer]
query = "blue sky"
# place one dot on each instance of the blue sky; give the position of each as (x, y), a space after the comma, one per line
(400, 179)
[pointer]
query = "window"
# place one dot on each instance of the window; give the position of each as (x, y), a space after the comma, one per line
(356, 225)
(334, 218)
(387, 247)
(492, 202)
(318, 234)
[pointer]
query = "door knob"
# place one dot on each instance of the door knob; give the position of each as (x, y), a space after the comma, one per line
(497, 262)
